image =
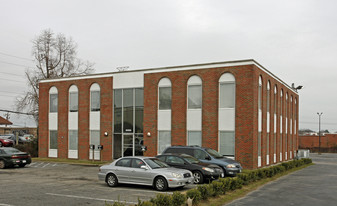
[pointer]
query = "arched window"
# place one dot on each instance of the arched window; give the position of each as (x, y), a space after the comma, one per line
(227, 115)
(73, 98)
(194, 92)
(165, 94)
(53, 100)
(259, 137)
(194, 111)
(95, 97)
(164, 114)
(281, 124)
(53, 122)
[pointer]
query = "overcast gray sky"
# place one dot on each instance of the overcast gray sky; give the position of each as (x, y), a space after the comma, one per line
(294, 39)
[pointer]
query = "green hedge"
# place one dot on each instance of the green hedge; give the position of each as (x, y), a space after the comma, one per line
(216, 188)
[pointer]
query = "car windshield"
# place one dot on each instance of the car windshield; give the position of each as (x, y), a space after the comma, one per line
(155, 163)
(214, 153)
(191, 160)
(12, 151)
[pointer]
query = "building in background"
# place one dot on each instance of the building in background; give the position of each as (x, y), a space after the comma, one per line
(238, 108)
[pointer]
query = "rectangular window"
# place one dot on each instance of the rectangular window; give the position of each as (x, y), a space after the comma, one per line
(118, 111)
(95, 138)
(165, 95)
(274, 143)
(164, 140)
(73, 101)
(227, 143)
(95, 101)
(268, 100)
(259, 144)
(260, 97)
(194, 97)
(227, 95)
(128, 110)
(267, 143)
(275, 103)
(117, 146)
(73, 139)
(139, 107)
(53, 139)
(53, 103)
(194, 138)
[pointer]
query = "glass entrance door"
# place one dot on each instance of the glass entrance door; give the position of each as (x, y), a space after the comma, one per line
(132, 145)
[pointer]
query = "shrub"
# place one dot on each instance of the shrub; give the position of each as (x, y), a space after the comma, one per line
(195, 195)
(226, 183)
(205, 191)
(178, 199)
(236, 183)
(245, 178)
(218, 188)
(162, 200)
(30, 147)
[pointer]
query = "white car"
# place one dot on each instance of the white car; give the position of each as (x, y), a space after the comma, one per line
(144, 171)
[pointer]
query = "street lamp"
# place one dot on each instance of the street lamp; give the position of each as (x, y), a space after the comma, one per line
(319, 132)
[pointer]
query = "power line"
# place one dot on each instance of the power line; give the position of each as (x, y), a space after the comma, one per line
(11, 80)
(19, 65)
(5, 110)
(11, 74)
(10, 92)
(15, 56)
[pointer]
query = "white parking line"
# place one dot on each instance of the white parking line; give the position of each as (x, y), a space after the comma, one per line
(54, 165)
(1, 204)
(45, 165)
(89, 198)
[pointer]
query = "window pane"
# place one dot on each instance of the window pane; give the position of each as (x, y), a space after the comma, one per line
(227, 143)
(194, 138)
(73, 102)
(227, 95)
(194, 97)
(118, 111)
(117, 146)
(52, 139)
(128, 110)
(259, 144)
(267, 143)
(73, 139)
(139, 102)
(53, 103)
(95, 100)
(165, 95)
(95, 138)
(260, 97)
(164, 140)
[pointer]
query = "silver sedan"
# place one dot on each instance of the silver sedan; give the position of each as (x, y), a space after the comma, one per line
(144, 171)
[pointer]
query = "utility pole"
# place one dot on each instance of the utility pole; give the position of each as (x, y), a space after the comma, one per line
(319, 132)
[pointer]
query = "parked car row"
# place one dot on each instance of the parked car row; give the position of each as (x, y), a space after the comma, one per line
(10, 157)
(177, 166)
(8, 140)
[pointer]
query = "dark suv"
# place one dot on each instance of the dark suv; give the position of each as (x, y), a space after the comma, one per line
(207, 155)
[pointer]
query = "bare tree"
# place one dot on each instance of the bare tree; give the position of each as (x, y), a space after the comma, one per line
(54, 56)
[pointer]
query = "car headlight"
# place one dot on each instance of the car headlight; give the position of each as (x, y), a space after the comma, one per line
(177, 175)
(208, 169)
(6, 140)
(230, 166)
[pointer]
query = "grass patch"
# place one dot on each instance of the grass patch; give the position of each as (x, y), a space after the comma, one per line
(238, 193)
(71, 161)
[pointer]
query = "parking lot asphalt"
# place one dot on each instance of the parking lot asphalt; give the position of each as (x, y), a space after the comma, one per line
(311, 186)
(48, 183)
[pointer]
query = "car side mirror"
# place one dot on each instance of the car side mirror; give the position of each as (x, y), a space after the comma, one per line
(208, 158)
(144, 167)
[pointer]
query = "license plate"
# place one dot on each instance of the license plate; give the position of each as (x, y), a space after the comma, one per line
(23, 161)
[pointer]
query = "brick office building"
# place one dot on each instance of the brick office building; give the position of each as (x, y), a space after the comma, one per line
(237, 108)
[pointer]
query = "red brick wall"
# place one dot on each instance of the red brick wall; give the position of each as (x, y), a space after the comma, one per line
(83, 112)
(312, 141)
(246, 110)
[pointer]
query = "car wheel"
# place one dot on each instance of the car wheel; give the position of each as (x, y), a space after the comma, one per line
(22, 165)
(160, 184)
(198, 177)
(2, 164)
(111, 180)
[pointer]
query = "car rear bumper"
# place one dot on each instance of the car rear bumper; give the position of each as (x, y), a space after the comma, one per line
(174, 182)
